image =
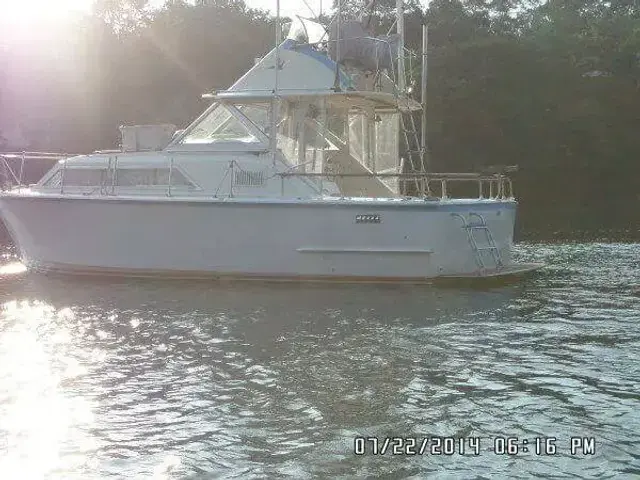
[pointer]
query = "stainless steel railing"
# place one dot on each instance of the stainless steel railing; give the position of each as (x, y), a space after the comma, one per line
(490, 186)
(12, 166)
(427, 185)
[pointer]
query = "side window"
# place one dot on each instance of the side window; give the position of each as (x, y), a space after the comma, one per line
(54, 182)
(179, 180)
(125, 177)
(77, 177)
(143, 177)
(83, 177)
(130, 177)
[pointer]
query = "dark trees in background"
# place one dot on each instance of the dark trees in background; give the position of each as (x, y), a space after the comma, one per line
(552, 85)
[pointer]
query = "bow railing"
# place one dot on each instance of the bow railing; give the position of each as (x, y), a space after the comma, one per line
(14, 165)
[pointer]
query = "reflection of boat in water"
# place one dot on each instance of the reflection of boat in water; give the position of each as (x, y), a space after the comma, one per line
(294, 172)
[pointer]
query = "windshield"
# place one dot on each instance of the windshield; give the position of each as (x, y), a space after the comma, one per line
(219, 126)
(258, 114)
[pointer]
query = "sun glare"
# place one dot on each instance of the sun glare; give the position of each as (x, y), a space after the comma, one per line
(42, 417)
(13, 268)
(37, 11)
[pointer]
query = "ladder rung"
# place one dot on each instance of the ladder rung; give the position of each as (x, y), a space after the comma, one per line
(489, 246)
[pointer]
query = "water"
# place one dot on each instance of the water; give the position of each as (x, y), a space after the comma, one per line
(160, 379)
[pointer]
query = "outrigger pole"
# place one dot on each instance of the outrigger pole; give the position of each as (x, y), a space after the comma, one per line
(275, 101)
(423, 97)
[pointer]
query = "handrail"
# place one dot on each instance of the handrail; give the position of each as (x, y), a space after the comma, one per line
(36, 155)
(500, 186)
(410, 176)
(10, 177)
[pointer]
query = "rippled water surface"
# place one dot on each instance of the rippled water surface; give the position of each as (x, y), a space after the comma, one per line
(163, 379)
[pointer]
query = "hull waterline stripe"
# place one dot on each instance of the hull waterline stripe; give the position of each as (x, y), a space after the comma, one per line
(514, 269)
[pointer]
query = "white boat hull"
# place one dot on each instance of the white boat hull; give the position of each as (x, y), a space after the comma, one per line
(341, 239)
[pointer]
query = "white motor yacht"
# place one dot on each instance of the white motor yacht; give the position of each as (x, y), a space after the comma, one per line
(308, 167)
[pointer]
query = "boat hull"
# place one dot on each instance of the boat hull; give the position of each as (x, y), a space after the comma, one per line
(341, 239)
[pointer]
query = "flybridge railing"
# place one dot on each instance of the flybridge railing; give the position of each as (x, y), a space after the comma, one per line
(13, 166)
(430, 185)
(410, 72)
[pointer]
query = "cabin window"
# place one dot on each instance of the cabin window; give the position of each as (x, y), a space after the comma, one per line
(387, 138)
(126, 177)
(143, 177)
(77, 177)
(219, 126)
(54, 181)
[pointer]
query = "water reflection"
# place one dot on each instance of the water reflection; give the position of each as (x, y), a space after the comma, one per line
(249, 380)
(43, 424)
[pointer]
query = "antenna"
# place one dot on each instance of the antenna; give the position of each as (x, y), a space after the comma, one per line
(336, 81)
(277, 55)
(400, 31)
(371, 7)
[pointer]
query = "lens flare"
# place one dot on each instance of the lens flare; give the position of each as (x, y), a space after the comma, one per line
(13, 268)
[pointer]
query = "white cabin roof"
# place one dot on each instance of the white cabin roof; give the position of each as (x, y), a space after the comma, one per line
(377, 100)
